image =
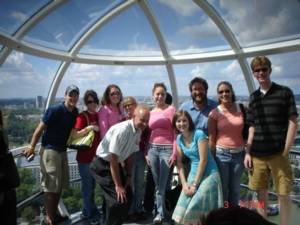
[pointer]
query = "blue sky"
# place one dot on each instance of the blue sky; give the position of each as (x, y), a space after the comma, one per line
(184, 26)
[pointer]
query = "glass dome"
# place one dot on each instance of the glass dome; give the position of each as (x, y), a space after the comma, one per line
(46, 45)
(49, 44)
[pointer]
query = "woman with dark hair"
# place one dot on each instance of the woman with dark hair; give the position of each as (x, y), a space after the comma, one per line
(201, 190)
(225, 126)
(111, 111)
(8, 199)
(86, 121)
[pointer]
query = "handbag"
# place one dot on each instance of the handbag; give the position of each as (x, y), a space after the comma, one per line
(82, 143)
(9, 176)
(245, 131)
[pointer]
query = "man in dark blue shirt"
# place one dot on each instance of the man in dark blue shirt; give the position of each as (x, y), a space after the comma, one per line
(55, 127)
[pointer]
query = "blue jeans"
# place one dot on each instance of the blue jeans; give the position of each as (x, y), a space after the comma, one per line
(231, 168)
(90, 209)
(159, 156)
(138, 174)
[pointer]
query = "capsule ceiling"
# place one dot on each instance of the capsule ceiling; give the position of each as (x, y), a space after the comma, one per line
(153, 40)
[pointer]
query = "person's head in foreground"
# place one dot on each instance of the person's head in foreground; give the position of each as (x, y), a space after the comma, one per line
(234, 216)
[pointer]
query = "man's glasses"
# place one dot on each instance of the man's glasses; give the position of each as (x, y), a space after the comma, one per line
(264, 69)
(224, 91)
(127, 105)
(115, 93)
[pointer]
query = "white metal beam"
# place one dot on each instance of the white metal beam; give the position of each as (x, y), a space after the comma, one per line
(29, 24)
(32, 49)
(78, 45)
(56, 82)
(164, 48)
(100, 23)
(230, 37)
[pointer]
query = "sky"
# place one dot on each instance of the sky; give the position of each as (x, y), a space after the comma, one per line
(185, 28)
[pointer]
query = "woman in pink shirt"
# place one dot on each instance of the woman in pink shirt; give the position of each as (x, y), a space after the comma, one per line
(162, 146)
(111, 111)
(225, 126)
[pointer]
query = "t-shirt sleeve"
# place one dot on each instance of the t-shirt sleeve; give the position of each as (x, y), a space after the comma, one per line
(213, 114)
(200, 135)
(116, 143)
(49, 116)
(291, 105)
(80, 122)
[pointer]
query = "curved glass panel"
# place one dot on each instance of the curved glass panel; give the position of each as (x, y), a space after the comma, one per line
(127, 34)
(213, 72)
(13, 13)
(186, 28)
(24, 84)
(134, 81)
(66, 24)
(259, 22)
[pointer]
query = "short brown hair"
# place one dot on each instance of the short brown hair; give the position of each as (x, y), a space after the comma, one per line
(130, 100)
(260, 61)
(198, 80)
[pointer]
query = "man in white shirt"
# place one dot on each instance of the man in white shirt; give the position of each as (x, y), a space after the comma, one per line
(113, 164)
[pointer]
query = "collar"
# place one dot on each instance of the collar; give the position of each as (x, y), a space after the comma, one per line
(132, 126)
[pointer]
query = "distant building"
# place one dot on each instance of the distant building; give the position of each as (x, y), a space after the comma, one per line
(39, 104)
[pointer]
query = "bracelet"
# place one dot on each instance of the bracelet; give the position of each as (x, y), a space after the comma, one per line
(246, 148)
(194, 184)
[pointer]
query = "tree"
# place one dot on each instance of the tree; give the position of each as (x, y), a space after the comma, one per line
(28, 185)
(28, 214)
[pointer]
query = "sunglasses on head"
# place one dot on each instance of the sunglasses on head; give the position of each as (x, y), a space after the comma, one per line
(224, 91)
(264, 69)
(127, 105)
(114, 93)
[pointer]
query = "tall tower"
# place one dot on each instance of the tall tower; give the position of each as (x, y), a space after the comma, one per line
(39, 102)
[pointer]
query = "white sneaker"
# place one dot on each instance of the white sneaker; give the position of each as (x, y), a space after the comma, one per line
(157, 219)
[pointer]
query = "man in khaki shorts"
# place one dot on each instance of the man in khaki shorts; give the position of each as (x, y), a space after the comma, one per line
(272, 116)
(56, 125)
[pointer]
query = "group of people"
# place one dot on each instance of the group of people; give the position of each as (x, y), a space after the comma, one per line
(202, 138)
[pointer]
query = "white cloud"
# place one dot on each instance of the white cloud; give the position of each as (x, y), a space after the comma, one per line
(182, 7)
(20, 79)
(18, 16)
(254, 21)
(204, 29)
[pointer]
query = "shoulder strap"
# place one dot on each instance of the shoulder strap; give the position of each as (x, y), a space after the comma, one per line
(87, 118)
(243, 111)
(242, 108)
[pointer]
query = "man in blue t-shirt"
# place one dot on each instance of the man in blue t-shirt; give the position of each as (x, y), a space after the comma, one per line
(199, 106)
(56, 125)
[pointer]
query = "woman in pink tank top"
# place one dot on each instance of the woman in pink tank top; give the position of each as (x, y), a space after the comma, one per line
(225, 126)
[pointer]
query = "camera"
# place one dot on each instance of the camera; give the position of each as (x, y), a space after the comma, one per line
(30, 158)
